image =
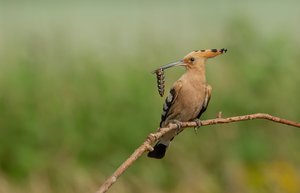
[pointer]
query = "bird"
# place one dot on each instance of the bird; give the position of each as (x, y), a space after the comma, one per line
(188, 98)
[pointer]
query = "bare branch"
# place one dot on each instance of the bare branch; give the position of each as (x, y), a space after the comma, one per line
(153, 137)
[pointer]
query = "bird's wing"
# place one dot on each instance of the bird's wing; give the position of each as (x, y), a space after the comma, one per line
(206, 100)
(170, 101)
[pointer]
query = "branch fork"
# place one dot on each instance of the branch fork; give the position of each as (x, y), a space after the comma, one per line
(153, 137)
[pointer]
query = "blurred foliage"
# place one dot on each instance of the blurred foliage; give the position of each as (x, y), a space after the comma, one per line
(77, 96)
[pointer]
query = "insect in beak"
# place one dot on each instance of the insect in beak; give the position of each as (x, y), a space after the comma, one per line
(161, 77)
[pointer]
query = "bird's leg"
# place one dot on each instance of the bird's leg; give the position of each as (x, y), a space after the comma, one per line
(198, 121)
(178, 124)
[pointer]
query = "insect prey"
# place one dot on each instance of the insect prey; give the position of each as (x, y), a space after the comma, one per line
(160, 81)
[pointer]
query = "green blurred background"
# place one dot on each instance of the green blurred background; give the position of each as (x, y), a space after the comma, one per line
(77, 96)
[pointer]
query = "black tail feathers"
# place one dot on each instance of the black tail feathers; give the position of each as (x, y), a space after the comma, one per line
(158, 152)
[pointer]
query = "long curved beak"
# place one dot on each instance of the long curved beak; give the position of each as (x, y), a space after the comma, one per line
(177, 63)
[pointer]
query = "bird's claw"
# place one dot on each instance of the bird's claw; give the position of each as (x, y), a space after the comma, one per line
(198, 122)
(177, 123)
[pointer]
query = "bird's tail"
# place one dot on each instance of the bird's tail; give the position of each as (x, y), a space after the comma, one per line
(159, 151)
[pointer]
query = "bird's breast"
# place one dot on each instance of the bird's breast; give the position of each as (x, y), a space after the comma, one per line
(192, 98)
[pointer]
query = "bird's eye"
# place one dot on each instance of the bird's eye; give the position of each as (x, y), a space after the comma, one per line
(192, 59)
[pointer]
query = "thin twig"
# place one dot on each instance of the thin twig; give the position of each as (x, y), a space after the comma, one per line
(153, 137)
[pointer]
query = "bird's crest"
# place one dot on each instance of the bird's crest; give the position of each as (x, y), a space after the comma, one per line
(209, 53)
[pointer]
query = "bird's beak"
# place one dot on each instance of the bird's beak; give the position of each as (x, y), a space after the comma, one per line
(177, 63)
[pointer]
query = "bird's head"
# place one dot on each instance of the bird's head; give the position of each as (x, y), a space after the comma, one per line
(195, 58)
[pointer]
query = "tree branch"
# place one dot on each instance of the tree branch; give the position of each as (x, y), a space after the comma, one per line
(153, 137)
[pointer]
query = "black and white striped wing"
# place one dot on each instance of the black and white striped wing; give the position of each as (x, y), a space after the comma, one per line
(206, 101)
(169, 102)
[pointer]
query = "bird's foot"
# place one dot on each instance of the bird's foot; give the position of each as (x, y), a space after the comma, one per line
(177, 123)
(198, 122)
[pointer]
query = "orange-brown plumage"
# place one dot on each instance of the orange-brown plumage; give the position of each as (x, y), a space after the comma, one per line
(189, 95)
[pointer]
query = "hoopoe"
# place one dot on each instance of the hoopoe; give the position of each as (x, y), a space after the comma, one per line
(188, 98)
